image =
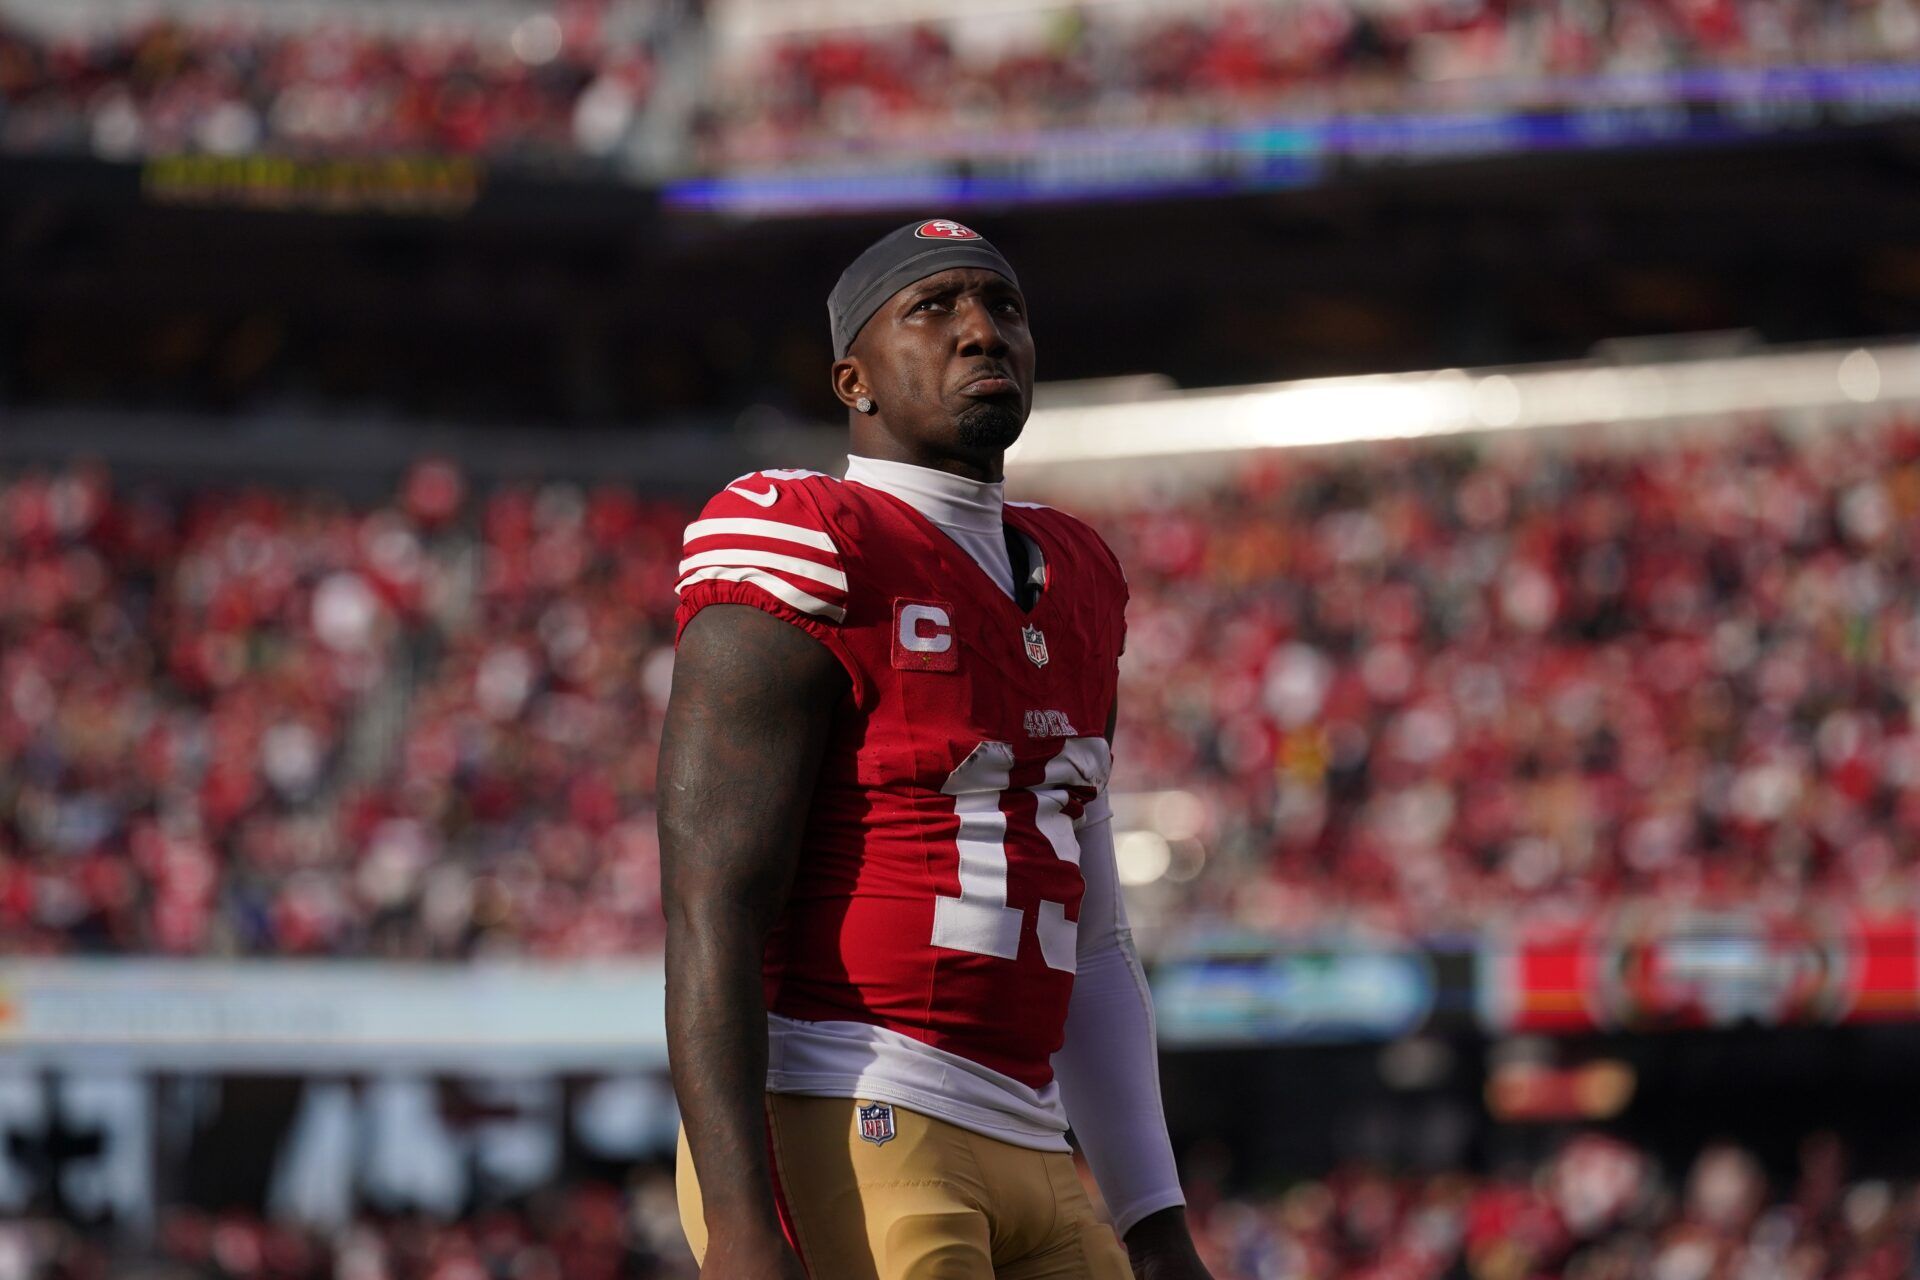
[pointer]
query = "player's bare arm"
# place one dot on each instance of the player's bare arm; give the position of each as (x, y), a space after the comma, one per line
(752, 701)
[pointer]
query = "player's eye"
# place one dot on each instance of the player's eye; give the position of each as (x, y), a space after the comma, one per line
(929, 304)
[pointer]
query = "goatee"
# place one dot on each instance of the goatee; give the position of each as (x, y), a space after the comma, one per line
(986, 427)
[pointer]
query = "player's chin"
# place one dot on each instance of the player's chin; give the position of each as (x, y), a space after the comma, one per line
(991, 423)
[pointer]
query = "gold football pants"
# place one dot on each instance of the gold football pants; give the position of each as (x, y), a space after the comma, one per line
(934, 1202)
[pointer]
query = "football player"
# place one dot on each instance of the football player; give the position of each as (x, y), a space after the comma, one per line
(898, 965)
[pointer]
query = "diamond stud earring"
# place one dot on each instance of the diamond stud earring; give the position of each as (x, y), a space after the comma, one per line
(863, 404)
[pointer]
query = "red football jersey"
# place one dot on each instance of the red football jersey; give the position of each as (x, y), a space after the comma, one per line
(939, 884)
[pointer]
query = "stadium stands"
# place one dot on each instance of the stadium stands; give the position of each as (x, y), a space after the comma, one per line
(1596, 1208)
(920, 93)
(215, 746)
(582, 1230)
(1419, 688)
(536, 93)
(567, 83)
(1422, 687)
(913, 88)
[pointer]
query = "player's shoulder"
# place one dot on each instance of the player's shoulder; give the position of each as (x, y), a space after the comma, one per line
(785, 495)
(1052, 515)
(774, 532)
(1070, 530)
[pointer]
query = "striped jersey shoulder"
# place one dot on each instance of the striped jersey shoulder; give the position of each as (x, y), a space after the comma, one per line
(767, 532)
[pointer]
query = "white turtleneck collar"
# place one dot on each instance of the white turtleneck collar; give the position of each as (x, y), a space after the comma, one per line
(940, 496)
(968, 511)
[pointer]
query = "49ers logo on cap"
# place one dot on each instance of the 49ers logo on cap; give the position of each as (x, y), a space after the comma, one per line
(942, 229)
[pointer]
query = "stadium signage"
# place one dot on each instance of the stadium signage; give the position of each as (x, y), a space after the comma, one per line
(303, 1016)
(1649, 969)
(1309, 995)
(422, 186)
(1580, 114)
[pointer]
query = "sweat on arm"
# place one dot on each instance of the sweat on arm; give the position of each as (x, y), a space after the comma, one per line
(752, 704)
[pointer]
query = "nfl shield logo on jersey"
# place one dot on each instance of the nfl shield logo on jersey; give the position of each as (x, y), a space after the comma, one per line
(876, 1123)
(1036, 645)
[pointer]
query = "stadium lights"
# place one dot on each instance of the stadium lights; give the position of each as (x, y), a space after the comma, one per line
(1332, 411)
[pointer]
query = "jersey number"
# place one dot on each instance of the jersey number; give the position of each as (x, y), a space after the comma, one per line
(979, 919)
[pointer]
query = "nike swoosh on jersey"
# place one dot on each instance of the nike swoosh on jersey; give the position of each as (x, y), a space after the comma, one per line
(767, 499)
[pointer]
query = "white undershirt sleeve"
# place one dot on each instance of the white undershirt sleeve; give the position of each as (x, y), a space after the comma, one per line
(1108, 1070)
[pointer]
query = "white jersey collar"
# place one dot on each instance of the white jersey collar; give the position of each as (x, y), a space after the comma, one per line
(949, 501)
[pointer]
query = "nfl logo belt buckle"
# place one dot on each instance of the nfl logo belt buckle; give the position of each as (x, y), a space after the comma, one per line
(876, 1122)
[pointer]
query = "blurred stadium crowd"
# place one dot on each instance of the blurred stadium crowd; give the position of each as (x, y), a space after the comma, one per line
(556, 86)
(581, 1230)
(255, 722)
(1595, 1209)
(1419, 689)
(913, 89)
(1598, 1209)
(162, 85)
